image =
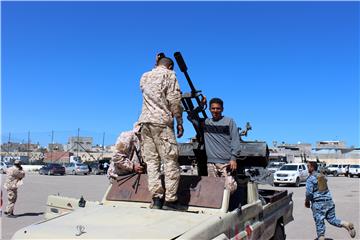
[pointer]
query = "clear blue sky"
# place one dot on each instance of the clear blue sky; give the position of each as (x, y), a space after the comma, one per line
(289, 68)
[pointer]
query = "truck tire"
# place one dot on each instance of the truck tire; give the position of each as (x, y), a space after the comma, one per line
(279, 232)
(276, 184)
(297, 183)
(351, 175)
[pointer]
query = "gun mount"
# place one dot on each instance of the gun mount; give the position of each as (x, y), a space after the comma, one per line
(253, 153)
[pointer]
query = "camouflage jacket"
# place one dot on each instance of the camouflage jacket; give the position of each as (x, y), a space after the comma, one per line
(161, 97)
(125, 157)
(13, 179)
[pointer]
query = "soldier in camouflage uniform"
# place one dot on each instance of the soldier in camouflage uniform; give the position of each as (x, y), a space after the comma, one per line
(15, 174)
(161, 104)
(126, 159)
(322, 205)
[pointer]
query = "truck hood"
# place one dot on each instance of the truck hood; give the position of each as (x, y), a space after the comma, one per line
(286, 172)
(116, 222)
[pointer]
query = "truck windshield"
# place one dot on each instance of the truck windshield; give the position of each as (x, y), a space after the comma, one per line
(275, 165)
(289, 167)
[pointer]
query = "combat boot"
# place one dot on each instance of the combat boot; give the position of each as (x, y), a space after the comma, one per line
(350, 227)
(157, 203)
(174, 206)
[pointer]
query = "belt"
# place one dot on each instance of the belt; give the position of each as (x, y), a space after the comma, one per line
(322, 200)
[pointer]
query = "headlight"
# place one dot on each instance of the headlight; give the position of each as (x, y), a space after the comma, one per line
(293, 175)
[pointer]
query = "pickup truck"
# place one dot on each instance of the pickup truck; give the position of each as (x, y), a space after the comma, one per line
(124, 213)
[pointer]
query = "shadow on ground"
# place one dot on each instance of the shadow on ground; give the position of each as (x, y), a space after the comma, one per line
(28, 214)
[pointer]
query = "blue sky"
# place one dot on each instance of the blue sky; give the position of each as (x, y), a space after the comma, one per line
(289, 68)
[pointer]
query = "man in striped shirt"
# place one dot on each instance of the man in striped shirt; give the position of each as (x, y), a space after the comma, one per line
(222, 143)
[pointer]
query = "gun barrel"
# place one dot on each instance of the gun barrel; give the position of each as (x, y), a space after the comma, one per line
(181, 63)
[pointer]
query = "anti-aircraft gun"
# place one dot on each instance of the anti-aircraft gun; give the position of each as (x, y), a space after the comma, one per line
(253, 153)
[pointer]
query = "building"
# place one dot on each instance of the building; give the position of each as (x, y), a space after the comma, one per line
(55, 147)
(336, 152)
(330, 145)
(19, 147)
(79, 144)
(291, 153)
(57, 157)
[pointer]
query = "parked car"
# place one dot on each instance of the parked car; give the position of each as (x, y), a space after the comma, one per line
(52, 169)
(337, 169)
(354, 170)
(97, 168)
(333, 169)
(274, 166)
(344, 169)
(3, 168)
(291, 173)
(76, 168)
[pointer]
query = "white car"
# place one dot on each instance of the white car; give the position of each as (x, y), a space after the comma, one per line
(3, 168)
(354, 170)
(333, 169)
(76, 168)
(291, 173)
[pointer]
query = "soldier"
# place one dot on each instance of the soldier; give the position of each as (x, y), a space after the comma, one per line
(15, 174)
(222, 143)
(322, 205)
(126, 159)
(161, 104)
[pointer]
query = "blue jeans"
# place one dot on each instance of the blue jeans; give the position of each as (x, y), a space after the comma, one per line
(324, 210)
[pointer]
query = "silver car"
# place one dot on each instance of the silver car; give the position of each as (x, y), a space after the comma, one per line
(76, 168)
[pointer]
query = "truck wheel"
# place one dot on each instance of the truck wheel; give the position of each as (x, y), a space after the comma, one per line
(276, 184)
(297, 183)
(351, 175)
(279, 232)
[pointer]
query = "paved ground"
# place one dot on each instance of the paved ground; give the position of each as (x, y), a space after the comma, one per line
(33, 194)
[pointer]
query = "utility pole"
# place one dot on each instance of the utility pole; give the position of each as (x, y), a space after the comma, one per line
(103, 146)
(28, 151)
(77, 145)
(9, 142)
(52, 145)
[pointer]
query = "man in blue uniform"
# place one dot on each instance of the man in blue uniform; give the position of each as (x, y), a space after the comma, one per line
(322, 205)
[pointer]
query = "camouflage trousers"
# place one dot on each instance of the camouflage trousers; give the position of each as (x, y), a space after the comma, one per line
(219, 170)
(159, 145)
(12, 196)
(321, 211)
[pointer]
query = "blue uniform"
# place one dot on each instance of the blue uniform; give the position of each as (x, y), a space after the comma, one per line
(322, 204)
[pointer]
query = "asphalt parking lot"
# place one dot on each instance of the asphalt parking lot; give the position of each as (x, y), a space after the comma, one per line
(32, 197)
